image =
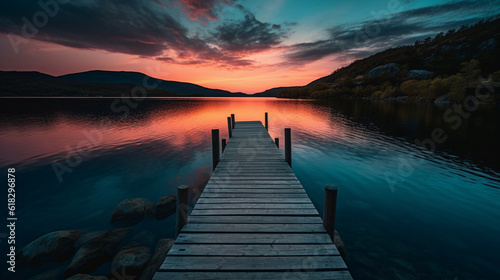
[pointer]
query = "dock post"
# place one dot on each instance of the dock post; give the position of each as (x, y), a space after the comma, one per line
(223, 144)
(229, 127)
(233, 120)
(277, 142)
(288, 146)
(329, 209)
(267, 125)
(215, 148)
(182, 208)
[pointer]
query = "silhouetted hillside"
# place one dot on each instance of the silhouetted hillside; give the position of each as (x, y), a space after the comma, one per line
(30, 84)
(273, 92)
(135, 78)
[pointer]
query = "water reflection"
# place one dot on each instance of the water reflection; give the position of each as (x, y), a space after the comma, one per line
(438, 221)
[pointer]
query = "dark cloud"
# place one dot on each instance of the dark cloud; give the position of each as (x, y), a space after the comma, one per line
(127, 26)
(248, 35)
(134, 27)
(362, 39)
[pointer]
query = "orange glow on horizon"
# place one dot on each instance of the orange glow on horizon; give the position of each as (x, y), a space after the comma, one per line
(268, 73)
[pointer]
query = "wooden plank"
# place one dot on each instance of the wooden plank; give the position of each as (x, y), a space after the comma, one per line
(214, 189)
(254, 219)
(253, 200)
(253, 195)
(255, 186)
(256, 212)
(254, 228)
(196, 263)
(294, 274)
(249, 238)
(253, 250)
(255, 206)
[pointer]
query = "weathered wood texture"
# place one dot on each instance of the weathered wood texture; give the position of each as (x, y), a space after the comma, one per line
(253, 221)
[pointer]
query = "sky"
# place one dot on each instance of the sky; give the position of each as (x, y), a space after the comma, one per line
(236, 45)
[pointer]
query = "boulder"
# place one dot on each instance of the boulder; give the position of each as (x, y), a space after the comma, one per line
(131, 261)
(143, 238)
(391, 69)
(86, 277)
(95, 252)
(419, 74)
(165, 207)
(157, 259)
(88, 236)
(129, 212)
(56, 246)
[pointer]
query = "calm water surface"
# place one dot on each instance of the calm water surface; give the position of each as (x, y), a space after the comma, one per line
(403, 212)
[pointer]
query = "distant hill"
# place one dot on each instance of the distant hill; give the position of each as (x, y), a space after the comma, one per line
(273, 92)
(448, 64)
(136, 78)
(96, 84)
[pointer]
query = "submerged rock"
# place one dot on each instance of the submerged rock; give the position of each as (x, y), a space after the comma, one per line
(391, 69)
(129, 212)
(165, 206)
(95, 252)
(157, 259)
(131, 261)
(56, 246)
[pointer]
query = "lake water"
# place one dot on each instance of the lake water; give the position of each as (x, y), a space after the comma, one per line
(403, 212)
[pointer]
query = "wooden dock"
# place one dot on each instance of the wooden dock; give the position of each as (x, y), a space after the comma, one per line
(253, 220)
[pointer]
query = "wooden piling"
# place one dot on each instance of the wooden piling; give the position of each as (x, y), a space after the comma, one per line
(267, 124)
(233, 120)
(288, 146)
(215, 148)
(277, 142)
(229, 127)
(224, 144)
(182, 208)
(329, 209)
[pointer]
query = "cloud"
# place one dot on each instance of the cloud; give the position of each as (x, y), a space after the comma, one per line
(248, 35)
(203, 10)
(127, 26)
(352, 41)
(135, 27)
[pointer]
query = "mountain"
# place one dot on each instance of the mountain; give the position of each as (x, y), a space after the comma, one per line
(447, 65)
(97, 84)
(140, 79)
(273, 92)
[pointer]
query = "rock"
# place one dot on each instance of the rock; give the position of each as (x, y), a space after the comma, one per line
(165, 206)
(95, 252)
(131, 261)
(391, 68)
(143, 238)
(339, 244)
(86, 277)
(129, 212)
(419, 74)
(56, 246)
(88, 236)
(157, 259)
